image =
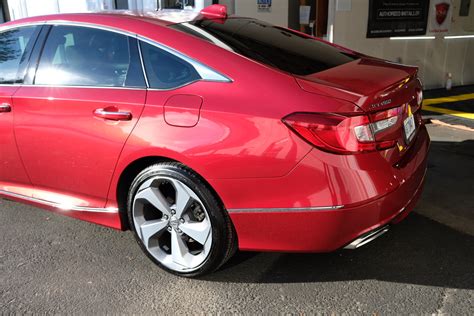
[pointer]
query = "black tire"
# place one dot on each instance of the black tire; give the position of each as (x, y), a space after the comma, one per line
(224, 243)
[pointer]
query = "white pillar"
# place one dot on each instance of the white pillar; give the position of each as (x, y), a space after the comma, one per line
(17, 9)
(151, 5)
(67, 6)
(331, 20)
(201, 4)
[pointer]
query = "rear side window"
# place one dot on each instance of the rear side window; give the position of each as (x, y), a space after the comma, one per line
(82, 56)
(15, 47)
(165, 70)
(268, 44)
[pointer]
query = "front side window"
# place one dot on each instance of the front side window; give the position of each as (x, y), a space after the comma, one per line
(14, 51)
(165, 70)
(82, 56)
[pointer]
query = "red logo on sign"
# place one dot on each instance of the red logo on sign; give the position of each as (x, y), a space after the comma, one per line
(441, 12)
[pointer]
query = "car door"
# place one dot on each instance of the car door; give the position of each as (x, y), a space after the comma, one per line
(15, 49)
(72, 122)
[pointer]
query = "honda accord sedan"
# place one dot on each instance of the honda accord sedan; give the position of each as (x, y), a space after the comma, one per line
(204, 133)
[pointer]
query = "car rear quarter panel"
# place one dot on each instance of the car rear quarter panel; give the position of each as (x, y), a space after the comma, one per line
(369, 196)
(240, 133)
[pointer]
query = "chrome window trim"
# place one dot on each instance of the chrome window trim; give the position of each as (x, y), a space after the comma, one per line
(206, 72)
(181, 86)
(71, 23)
(58, 205)
(142, 62)
(16, 26)
(75, 86)
(99, 87)
(285, 209)
(96, 87)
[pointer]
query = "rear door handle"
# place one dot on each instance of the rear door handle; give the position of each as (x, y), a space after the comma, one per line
(113, 113)
(5, 107)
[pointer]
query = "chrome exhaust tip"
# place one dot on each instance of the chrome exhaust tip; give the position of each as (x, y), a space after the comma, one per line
(367, 237)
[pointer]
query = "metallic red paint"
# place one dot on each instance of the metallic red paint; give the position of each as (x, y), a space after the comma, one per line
(372, 196)
(12, 176)
(68, 152)
(183, 110)
(231, 134)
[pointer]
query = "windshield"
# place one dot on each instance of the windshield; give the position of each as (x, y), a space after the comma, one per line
(268, 44)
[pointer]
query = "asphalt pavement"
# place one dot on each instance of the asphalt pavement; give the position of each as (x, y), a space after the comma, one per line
(425, 265)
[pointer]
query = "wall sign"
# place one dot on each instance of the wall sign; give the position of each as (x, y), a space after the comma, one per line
(305, 13)
(440, 16)
(264, 4)
(397, 18)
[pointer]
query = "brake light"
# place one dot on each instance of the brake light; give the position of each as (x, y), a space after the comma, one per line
(419, 97)
(345, 134)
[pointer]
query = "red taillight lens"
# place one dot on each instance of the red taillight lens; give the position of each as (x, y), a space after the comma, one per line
(419, 97)
(343, 134)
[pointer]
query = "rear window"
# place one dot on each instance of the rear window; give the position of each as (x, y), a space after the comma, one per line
(268, 44)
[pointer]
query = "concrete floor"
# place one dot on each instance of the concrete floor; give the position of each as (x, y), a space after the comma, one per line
(425, 265)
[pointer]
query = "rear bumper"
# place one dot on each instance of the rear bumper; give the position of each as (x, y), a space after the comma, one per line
(328, 229)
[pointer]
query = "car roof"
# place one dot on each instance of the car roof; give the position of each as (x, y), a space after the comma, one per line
(161, 17)
(149, 26)
(164, 17)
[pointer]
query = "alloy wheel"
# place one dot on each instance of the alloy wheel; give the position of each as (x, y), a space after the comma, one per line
(172, 223)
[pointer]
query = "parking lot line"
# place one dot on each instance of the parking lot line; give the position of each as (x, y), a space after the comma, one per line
(449, 112)
(462, 97)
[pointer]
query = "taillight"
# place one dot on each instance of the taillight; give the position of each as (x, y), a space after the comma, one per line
(419, 97)
(345, 134)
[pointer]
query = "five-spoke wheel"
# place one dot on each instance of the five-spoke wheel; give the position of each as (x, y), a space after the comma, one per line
(177, 219)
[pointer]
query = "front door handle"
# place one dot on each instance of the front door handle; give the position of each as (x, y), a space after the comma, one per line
(5, 107)
(113, 113)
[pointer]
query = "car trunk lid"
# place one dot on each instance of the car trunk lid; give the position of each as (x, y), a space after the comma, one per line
(382, 90)
(372, 84)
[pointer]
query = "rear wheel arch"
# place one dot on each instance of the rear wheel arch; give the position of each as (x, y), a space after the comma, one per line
(172, 194)
(133, 169)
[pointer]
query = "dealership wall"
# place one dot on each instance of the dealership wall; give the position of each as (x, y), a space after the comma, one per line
(435, 58)
(278, 14)
(25, 8)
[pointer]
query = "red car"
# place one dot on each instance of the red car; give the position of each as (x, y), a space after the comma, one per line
(206, 134)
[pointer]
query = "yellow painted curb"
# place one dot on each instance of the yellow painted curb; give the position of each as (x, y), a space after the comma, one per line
(455, 98)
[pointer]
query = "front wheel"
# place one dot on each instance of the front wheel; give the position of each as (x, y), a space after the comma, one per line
(178, 222)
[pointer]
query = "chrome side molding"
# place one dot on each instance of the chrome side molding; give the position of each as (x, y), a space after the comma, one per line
(64, 207)
(206, 72)
(285, 209)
